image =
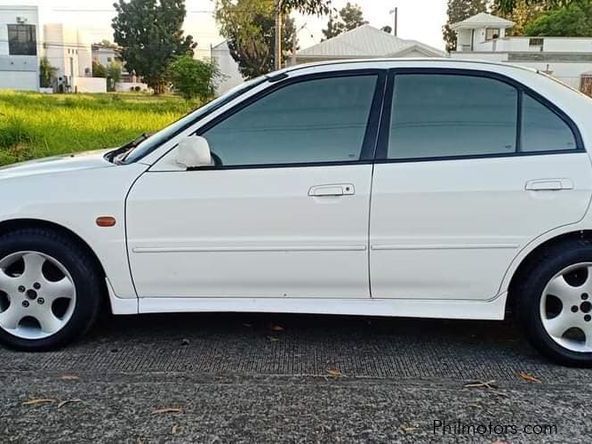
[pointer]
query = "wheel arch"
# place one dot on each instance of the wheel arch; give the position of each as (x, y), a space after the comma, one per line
(11, 225)
(531, 259)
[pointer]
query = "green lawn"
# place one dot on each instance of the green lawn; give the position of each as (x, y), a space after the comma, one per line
(38, 125)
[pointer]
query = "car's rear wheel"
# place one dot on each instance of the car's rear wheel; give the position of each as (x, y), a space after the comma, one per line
(555, 304)
(50, 290)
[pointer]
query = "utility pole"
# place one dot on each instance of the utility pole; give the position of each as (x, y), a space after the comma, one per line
(278, 34)
(396, 13)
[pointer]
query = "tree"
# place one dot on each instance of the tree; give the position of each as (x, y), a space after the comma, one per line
(506, 7)
(459, 10)
(249, 28)
(99, 70)
(283, 8)
(350, 17)
(150, 35)
(523, 12)
(572, 20)
(113, 74)
(46, 73)
(193, 78)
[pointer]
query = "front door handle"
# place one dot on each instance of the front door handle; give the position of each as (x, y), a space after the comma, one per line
(549, 185)
(340, 189)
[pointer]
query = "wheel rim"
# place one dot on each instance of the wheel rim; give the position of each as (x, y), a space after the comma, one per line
(566, 307)
(37, 295)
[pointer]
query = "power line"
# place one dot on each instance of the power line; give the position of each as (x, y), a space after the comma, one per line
(191, 11)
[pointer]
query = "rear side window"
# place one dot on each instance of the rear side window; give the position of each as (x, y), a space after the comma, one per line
(451, 115)
(455, 115)
(543, 130)
(316, 120)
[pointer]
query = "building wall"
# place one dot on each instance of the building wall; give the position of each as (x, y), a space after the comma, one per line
(567, 72)
(69, 52)
(104, 56)
(550, 44)
(90, 85)
(18, 71)
(476, 40)
(231, 76)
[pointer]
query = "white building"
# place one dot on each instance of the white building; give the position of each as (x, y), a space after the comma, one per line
(363, 43)
(26, 37)
(483, 37)
(20, 47)
(231, 76)
(105, 54)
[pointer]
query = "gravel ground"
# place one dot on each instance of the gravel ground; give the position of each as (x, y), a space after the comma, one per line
(288, 378)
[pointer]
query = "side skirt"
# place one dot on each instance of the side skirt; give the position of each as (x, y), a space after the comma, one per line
(444, 309)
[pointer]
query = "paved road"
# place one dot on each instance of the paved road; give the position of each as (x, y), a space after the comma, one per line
(271, 378)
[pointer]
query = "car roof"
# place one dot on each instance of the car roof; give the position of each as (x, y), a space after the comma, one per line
(387, 63)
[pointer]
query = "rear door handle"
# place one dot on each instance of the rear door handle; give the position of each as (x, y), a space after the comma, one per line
(340, 189)
(549, 185)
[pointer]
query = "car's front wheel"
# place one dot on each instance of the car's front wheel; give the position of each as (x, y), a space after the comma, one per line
(49, 289)
(555, 304)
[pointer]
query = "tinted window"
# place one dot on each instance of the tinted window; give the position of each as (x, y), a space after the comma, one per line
(182, 124)
(322, 120)
(542, 129)
(21, 40)
(437, 115)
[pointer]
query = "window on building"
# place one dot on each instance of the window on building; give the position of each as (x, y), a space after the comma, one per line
(492, 33)
(536, 43)
(22, 40)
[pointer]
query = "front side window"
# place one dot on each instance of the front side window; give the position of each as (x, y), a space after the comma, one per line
(22, 40)
(311, 121)
(441, 115)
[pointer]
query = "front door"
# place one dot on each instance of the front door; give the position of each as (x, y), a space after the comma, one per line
(285, 212)
(473, 168)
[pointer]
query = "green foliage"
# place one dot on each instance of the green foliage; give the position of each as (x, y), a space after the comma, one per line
(193, 78)
(151, 36)
(99, 70)
(506, 7)
(573, 20)
(349, 17)
(459, 10)
(113, 74)
(37, 125)
(46, 72)
(249, 28)
(316, 7)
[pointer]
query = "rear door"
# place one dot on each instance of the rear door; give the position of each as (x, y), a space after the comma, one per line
(471, 167)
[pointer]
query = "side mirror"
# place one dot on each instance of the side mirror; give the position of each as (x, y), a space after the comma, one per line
(193, 152)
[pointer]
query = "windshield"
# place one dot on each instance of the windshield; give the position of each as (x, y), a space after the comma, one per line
(157, 139)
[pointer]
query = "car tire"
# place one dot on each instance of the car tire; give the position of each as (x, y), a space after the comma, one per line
(50, 289)
(559, 325)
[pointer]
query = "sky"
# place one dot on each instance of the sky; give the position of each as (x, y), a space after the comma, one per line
(418, 19)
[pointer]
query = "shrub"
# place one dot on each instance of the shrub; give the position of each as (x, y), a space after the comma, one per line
(193, 78)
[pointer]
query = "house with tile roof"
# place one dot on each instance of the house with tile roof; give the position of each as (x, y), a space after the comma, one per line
(363, 43)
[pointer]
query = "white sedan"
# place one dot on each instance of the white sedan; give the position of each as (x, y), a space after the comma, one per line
(416, 188)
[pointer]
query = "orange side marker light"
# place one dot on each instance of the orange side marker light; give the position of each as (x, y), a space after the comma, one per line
(106, 221)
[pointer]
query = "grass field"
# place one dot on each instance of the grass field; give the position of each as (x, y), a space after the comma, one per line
(38, 125)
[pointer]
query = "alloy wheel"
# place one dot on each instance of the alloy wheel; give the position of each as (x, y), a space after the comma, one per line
(566, 308)
(37, 295)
